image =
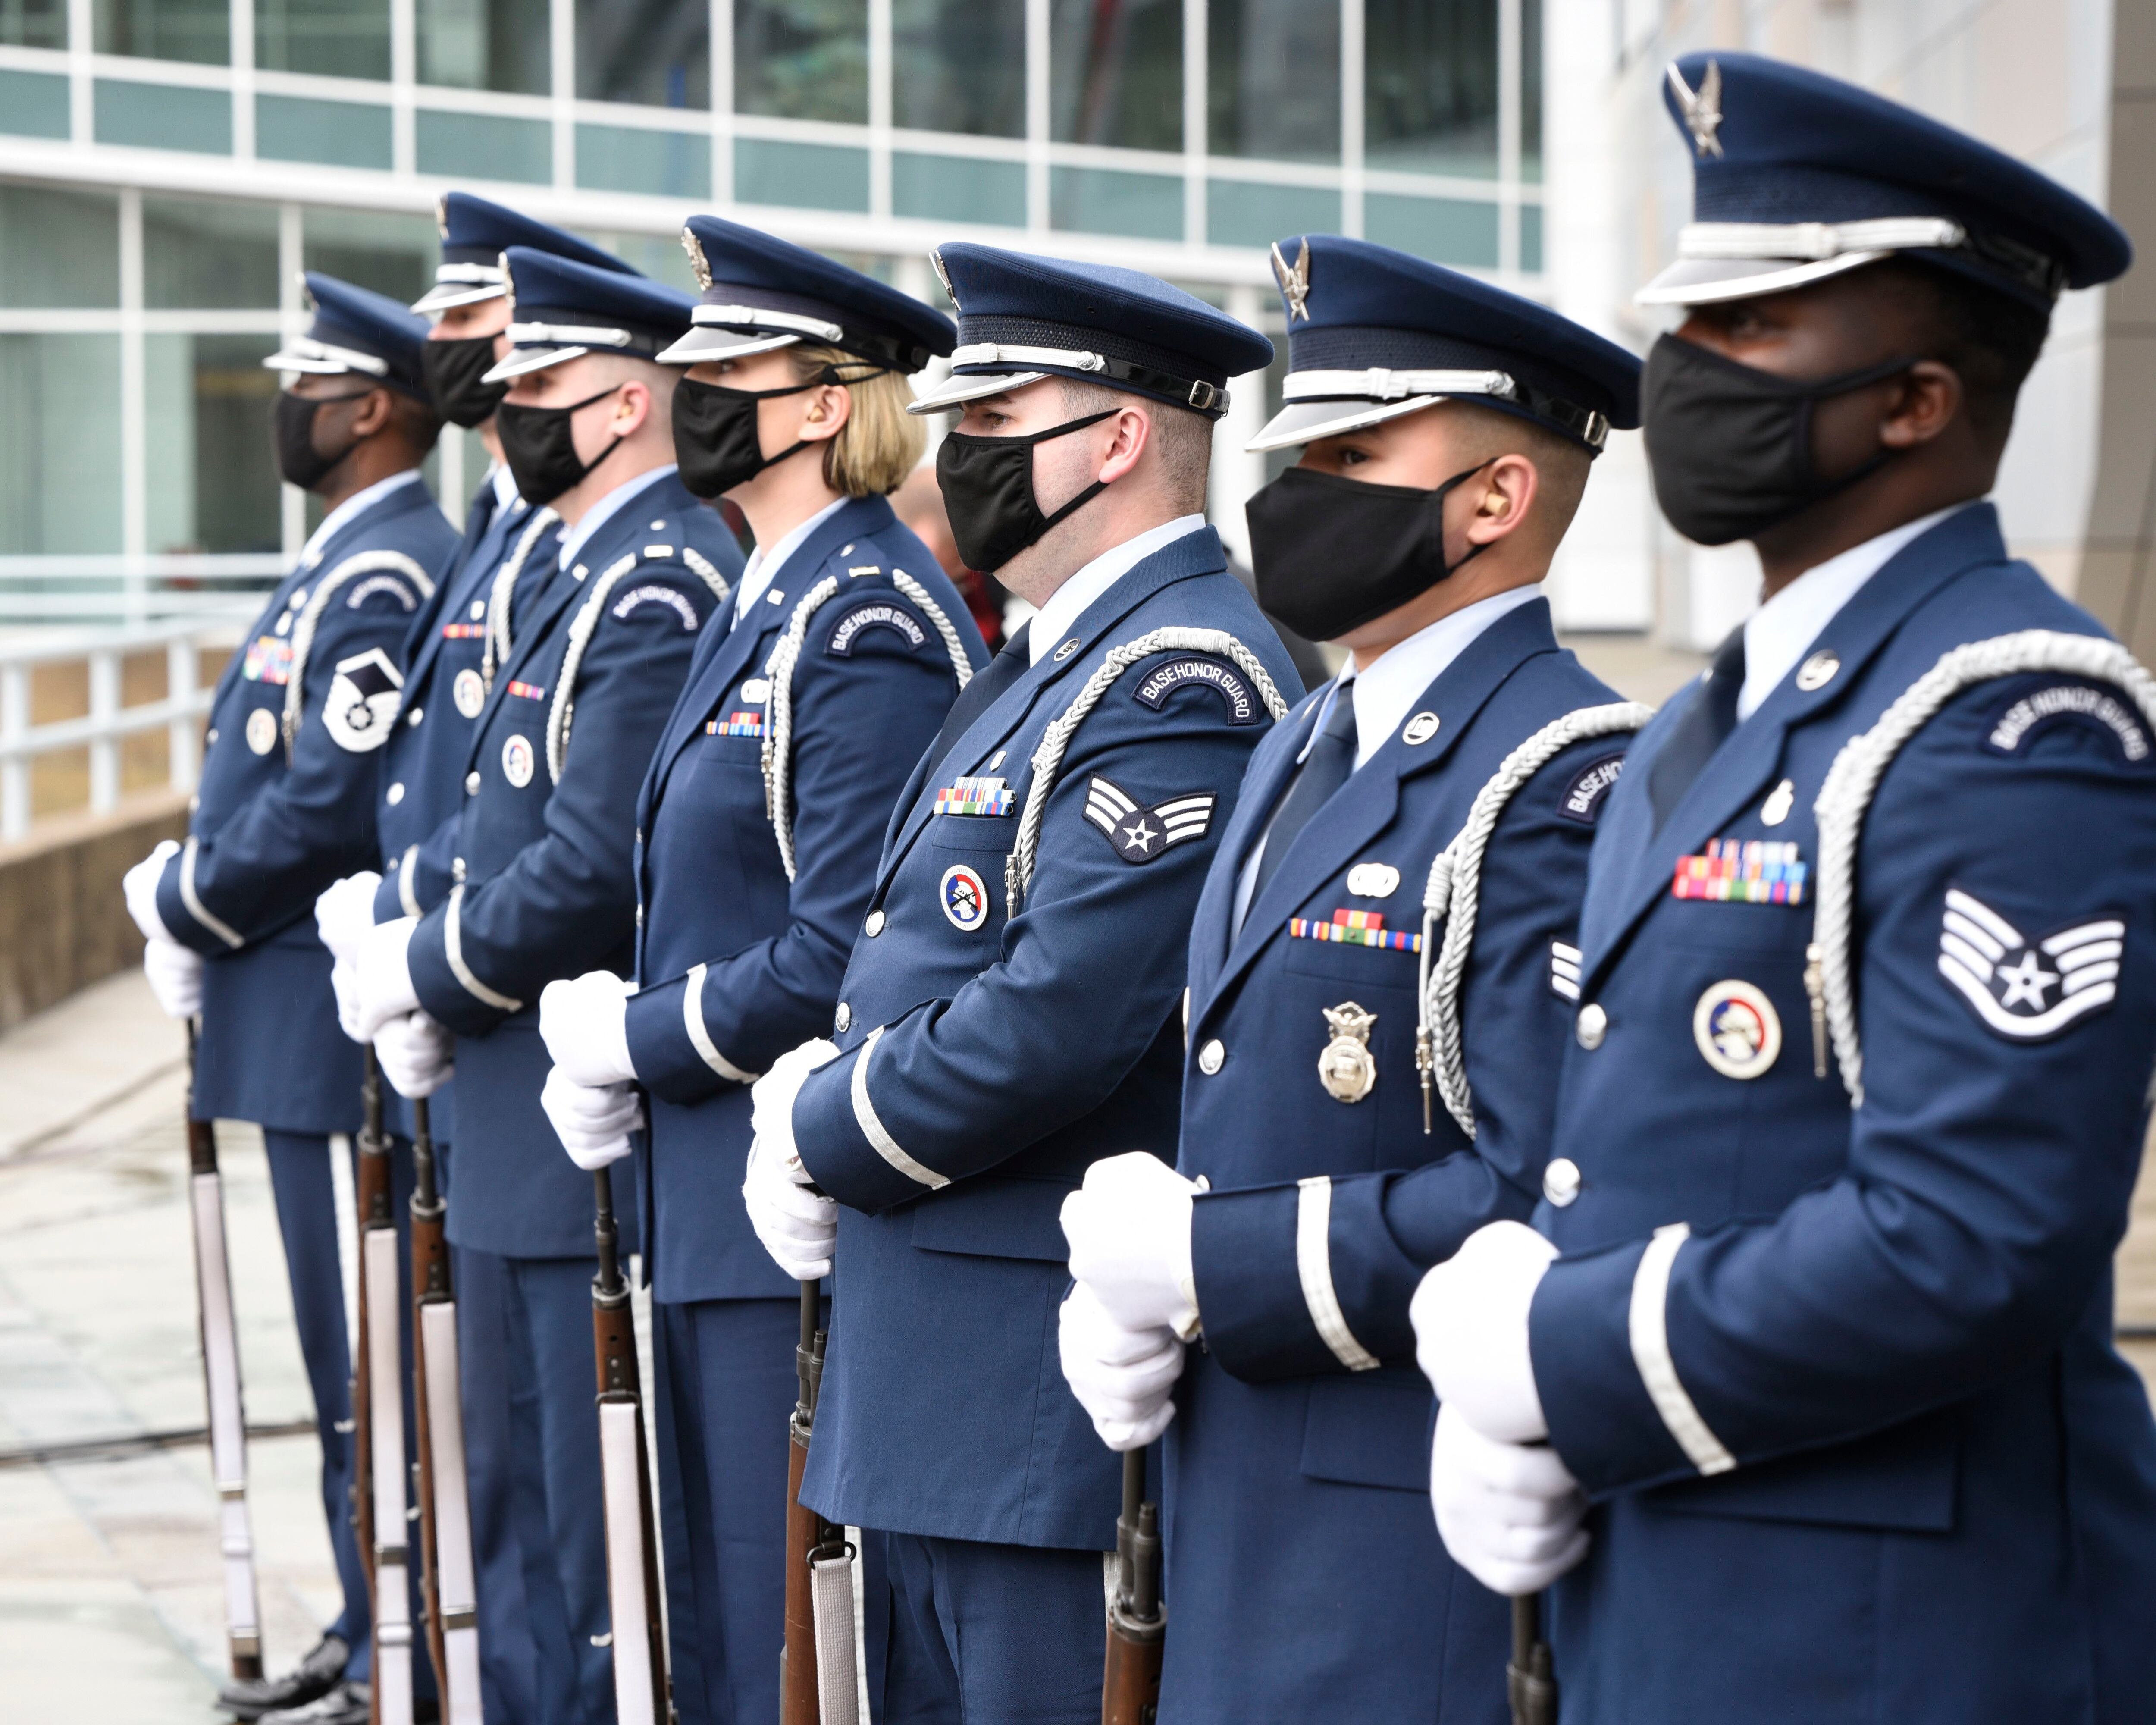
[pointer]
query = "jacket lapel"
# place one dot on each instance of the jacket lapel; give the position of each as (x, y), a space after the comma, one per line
(1211, 929)
(476, 564)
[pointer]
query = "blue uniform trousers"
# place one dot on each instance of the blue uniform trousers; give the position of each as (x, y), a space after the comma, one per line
(992, 1635)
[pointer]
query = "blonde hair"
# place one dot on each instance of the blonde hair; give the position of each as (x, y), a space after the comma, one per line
(881, 443)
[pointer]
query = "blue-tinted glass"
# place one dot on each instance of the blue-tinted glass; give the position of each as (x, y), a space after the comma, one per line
(1429, 86)
(161, 116)
(484, 146)
(958, 189)
(1115, 73)
(208, 254)
(657, 255)
(804, 176)
(656, 51)
(59, 248)
(1446, 230)
(667, 164)
(199, 30)
(59, 444)
(959, 66)
(1273, 78)
(1100, 200)
(392, 255)
(1239, 213)
(1530, 90)
(338, 38)
(211, 486)
(339, 134)
(484, 44)
(33, 104)
(801, 59)
(1531, 236)
(33, 23)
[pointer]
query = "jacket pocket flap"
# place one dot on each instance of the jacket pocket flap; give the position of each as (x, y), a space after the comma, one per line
(995, 1217)
(1903, 1478)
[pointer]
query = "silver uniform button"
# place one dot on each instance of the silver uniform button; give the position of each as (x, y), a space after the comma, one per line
(395, 794)
(414, 716)
(1212, 1057)
(844, 1018)
(1593, 1026)
(875, 924)
(211, 738)
(456, 868)
(1817, 671)
(471, 784)
(1561, 1181)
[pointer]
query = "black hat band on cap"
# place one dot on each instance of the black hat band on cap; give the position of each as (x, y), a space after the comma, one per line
(1817, 242)
(882, 350)
(580, 334)
(1209, 399)
(1378, 383)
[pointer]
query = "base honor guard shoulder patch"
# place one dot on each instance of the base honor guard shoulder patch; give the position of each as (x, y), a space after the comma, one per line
(1224, 681)
(2080, 703)
(362, 701)
(1743, 871)
(886, 614)
(1354, 928)
(978, 795)
(651, 593)
(1583, 796)
(1140, 833)
(2024, 989)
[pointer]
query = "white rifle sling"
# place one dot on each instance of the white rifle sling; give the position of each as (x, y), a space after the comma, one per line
(1048, 757)
(228, 1417)
(367, 562)
(620, 1440)
(562, 714)
(1455, 889)
(831, 1595)
(502, 594)
(779, 668)
(456, 1593)
(393, 1600)
(1845, 797)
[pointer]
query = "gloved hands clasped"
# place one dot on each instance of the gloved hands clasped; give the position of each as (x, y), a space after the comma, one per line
(174, 971)
(797, 1224)
(591, 1095)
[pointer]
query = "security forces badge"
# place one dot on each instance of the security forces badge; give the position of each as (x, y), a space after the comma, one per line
(1347, 1068)
(362, 701)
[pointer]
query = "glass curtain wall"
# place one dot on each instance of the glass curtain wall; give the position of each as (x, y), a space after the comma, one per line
(484, 44)
(336, 38)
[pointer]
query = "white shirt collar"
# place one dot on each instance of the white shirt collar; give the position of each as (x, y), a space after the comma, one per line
(1070, 601)
(604, 510)
(1777, 634)
(762, 569)
(310, 553)
(505, 487)
(1393, 683)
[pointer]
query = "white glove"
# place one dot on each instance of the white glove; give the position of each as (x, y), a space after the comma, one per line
(1129, 1231)
(1510, 1514)
(771, 1103)
(343, 914)
(1121, 1377)
(140, 885)
(592, 1120)
(385, 977)
(1470, 1325)
(417, 1055)
(175, 973)
(798, 1225)
(585, 1025)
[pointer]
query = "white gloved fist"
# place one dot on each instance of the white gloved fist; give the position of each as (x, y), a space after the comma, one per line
(343, 914)
(175, 973)
(1511, 1514)
(139, 886)
(385, 977)
(771, 1103)
(1129, 1231)
(797, 1224)
(585, 1026)
(592, 1120)
(1470, 1325)
(1121, 1376)
(417, 1055)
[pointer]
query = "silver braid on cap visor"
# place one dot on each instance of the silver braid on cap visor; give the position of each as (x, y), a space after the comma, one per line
(1380, 383)
(1816, 242)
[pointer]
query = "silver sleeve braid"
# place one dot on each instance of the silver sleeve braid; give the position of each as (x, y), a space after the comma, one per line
(367, 562)
(707, 571)
(960, 666)
(562, 713)
(1048, 757)
(495, 653)
(1454, 890)
(1845, 796)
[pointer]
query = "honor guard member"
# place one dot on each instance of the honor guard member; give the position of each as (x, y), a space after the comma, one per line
(1822, 1326)
(286, 806)
(541, 885)
(761, 816)
(1010, 1012)
(422, 787)
(1376, 998)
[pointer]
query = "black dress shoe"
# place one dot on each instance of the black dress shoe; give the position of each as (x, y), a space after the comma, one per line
(347, 1704)
(309, 1680)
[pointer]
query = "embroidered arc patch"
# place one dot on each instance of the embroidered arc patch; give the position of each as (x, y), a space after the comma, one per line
(2082, 704)
(2028, 990)
(1139, 832)
(1583, 797)
(651, 594)
(875, 614)
(1224, 681)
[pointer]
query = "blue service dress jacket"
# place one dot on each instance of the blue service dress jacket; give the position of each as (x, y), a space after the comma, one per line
(992, 1051)
(1838, 1373)
(1302, 1425)
(286, 807)
(543, 884)
(738, 957)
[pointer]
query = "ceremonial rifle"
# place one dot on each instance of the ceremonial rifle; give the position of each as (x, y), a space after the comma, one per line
(220, 1356)
(378, 1415)
(1530, 1676)
(818, 1683)
(445, 1545)
(1137, 1624)
(638, 1635)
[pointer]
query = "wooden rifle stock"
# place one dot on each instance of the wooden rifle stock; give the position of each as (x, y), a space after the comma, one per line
(639, 1638)
(1137, 1623)
(799, 1700)
(1530, 1676)
(217, 1333)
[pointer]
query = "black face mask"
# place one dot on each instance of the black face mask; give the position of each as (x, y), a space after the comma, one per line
(292, 435)
(1730, 446)
(540, 445)
(988, 491)
(716, 438)
(1330, 553)
(453, 370)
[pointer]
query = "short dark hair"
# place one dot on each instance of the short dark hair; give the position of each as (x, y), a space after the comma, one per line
(1991, 339)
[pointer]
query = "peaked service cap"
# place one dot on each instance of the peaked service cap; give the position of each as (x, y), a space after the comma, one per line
(475, 234)
(560, 309)
(355, 330)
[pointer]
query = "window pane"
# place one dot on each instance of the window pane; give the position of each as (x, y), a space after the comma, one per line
(34, 103)
(959, 66)
(956, 188)
(801, 59)
(1530, 90)
(1446, 230)
(339, 38)
(1102, 200)
(197, 30)
(59, 444)
(59, 248)
(211, 484)
(33, 23)
(483, 147)
(1274, 78)
(341, 134)
(1430, 83)
(394, 255)
(1239, 213)
(656, 51)
(484, 44)
(161, 116)
(665, 164)
(804, 175)
(657, 255)
(1115, 73)
(208, 255)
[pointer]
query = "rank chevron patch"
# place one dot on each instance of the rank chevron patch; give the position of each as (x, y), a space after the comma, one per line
(2011, 980)
(1139, 832)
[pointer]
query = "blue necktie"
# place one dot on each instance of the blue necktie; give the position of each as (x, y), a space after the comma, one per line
(1694, 737)
(1324, 769)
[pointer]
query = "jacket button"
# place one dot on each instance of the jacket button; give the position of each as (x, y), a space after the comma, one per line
(456, 868)
(471, 784)
(844, 1018)
(875, 924)
(1594, 1025)
(394, 795)
(1212, 1057)
(1561, 1181)
(212, 737)
(415, 716)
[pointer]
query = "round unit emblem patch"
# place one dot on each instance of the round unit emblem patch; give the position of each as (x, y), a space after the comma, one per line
(469, 691)
(1737, 1031)
(516, 762)
(964, 896)
(262, 731)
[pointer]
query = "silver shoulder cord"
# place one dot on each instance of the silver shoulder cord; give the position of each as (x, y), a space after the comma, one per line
(365, 562)
(495, 655)
(1453, 893)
